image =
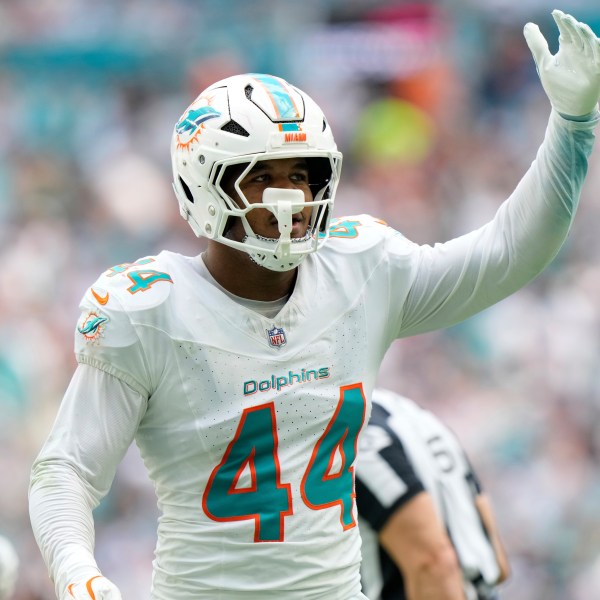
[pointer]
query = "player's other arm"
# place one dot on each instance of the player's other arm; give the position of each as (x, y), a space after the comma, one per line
(74, 470)
(416, 540)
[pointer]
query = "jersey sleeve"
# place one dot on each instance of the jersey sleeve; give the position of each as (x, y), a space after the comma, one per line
(385, 476)
(106, 337)
(74, 469)
(454, 280)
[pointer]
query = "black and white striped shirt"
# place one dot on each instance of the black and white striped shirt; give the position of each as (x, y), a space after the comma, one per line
(403, 451)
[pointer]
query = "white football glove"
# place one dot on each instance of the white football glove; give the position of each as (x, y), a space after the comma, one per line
(96, 588)
(570, 78)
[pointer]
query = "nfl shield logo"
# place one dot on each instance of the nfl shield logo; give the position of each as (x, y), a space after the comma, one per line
(276, 337)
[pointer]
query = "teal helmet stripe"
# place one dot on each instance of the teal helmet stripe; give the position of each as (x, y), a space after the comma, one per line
(282, 101)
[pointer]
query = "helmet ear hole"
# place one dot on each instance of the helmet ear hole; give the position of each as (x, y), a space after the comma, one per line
(236, 128)
(186, 189)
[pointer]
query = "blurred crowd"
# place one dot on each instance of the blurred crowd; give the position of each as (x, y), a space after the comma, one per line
(438, 110)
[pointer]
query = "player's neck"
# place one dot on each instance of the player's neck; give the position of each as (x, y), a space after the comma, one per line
(240, 275)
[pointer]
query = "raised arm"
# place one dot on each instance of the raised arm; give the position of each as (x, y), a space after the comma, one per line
(461, 277)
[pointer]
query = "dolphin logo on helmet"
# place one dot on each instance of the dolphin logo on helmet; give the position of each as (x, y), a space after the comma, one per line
(191, 123)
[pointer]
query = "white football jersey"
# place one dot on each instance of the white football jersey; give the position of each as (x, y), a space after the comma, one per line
(249, 426)
(405, 450)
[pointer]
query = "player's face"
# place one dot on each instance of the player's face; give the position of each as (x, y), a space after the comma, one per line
(289, 173)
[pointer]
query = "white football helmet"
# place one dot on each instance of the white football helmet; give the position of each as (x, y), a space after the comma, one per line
(239, 121)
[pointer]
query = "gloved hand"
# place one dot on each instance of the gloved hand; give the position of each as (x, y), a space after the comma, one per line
(96, 588)
(570, 78)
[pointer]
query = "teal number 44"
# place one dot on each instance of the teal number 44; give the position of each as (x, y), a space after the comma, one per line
(266, 499)
(142, 279)
(328, 480)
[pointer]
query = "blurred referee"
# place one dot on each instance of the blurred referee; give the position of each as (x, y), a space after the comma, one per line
(428, 530)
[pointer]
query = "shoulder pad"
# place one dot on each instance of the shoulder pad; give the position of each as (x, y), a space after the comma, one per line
(140, 285)
(363, 232)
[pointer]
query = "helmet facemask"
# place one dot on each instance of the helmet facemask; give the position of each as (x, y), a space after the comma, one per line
(285, 252)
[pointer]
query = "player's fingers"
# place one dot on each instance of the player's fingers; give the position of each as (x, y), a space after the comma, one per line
(561, 20)
(572, 26)
(596, 51)
(581, 35)
(537, 43)
(103, 589)
(592, 44)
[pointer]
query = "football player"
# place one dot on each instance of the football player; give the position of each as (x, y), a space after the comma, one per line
(244, 374)
(428, 530)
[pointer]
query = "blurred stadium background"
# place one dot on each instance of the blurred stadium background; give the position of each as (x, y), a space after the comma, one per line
(438, 110)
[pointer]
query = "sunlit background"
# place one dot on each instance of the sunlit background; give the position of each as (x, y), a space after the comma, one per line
(438, 110)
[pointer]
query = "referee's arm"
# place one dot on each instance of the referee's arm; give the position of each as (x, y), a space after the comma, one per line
(416, 540)
(486, 512)
(393, 499)
(484, 507)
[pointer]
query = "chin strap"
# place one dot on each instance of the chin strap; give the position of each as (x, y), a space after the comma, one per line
(266, 254)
